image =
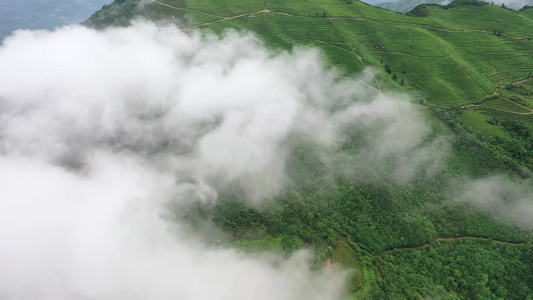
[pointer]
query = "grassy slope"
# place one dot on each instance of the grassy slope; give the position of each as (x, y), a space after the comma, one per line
(453, 56)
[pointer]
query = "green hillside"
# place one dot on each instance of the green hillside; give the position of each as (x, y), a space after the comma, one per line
(438, 57)
(469, 67)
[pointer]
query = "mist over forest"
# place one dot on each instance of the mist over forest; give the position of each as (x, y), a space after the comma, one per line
(156, 160)
(104, 130)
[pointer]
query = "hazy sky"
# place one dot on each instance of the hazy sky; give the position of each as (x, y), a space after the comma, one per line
(44, 14)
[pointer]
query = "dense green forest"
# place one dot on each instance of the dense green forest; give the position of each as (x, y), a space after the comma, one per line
(469, 67)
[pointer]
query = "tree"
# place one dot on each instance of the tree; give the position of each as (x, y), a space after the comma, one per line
(394, 77)
(387, 69)
(402, 82)
(291, 243)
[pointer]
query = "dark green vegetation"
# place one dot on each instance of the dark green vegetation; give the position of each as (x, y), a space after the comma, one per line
(469, 65)
(471, 268)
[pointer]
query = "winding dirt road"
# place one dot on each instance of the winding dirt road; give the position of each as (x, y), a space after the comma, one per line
(530, 111)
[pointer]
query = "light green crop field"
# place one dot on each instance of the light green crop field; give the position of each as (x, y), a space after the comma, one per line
(521, 93)
(176, 3)
(453, 56)
(484, 18)
(501, 104)
(475, 118)
(346, 257)
(199, 18)
(527, 118)
(446, 55)
(266, 243)
(225, 8)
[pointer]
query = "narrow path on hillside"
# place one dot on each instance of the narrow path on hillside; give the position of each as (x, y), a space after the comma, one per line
(360, 58)
(451, 52)
(362, 82)
(222, 20)
(396, 52)
(447, 240)
(496, 91)
(530, 112)
(186, 9)
(518, 104)
(266, 10)
(516, 82)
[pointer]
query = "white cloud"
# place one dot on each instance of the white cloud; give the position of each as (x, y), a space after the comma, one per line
(508, 201)
(101, 130)
(69, 236)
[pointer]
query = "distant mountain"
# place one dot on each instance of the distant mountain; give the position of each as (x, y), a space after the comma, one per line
(376, 2)
(403, 6)
(44, 14)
